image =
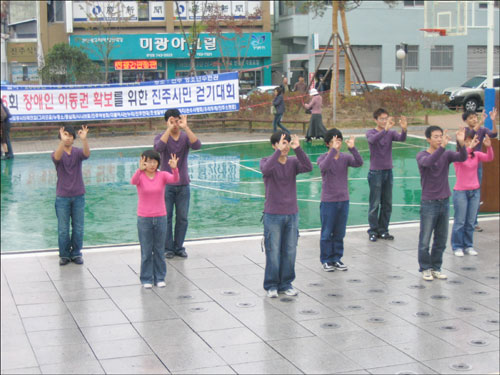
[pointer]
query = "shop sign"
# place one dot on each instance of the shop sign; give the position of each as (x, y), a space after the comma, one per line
(191, 95)
(191, 10)
(108, 11)
(161, 46)
(136, 64)
(21, 52)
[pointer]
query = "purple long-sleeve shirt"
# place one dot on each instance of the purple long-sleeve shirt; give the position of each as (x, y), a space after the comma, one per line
(434, 169)
(480, 135)
(180, 148)
(281, 183)
(334, 174)
(69, 173)
(380, 143)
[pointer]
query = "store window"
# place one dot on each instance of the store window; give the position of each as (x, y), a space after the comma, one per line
(412, 3)
(55, 10)
(442, 58)
(411, 58)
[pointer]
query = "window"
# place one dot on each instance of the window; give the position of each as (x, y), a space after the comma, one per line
(55, 10)
(485, 5)
(411, 58)
(442, 57)
(413, 3)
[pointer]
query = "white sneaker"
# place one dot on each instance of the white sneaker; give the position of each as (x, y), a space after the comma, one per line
(470, 251)
(147, 286)
(272, 293)
(161, 284)
(291, 292)
(427, 275)
(458, 253)
(438, 275)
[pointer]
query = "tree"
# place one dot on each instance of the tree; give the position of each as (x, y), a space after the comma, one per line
(65, 64)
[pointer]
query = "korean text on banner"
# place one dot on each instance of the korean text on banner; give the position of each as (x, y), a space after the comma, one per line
(191, 95)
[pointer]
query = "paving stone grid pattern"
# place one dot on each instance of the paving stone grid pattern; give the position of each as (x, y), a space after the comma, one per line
(214, 317)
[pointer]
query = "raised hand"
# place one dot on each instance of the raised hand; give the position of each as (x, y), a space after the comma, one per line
(493, 114)
(170, 122)
(173, 161)
(350, 142)
(281, 144)
(403, 123)
(474, 142)
(390, 123)
(142, 163)
(82, 133)
(487, 140)
(446, 138)
(295, 141)
(61, 134)
(183, 122)
(460, 136)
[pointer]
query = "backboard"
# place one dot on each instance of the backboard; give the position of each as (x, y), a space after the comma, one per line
(450, 16)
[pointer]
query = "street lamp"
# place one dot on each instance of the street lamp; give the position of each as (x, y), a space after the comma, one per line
(401, 55)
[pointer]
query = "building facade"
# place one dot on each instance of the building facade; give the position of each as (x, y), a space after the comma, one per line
(376, 32)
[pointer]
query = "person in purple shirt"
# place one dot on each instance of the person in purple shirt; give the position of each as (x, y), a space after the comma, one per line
(334, 206)
(434, 164)
(281, 218)
(380, 177)
(177, 139)
(474, 127)
(70, 193)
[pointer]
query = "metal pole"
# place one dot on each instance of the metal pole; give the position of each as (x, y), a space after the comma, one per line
(403, 66)
(489, 46)
(333, 89)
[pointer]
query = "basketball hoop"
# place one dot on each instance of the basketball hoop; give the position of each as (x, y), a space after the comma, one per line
(430, 32)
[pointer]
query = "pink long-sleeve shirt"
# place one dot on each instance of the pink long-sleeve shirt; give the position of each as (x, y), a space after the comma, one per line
(466, 171)
(151, 191)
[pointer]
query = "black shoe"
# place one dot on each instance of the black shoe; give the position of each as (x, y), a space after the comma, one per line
(328, 267)
(77, 260)
(64, 261)
(373, 237)
(182, 254)
(339, 266)
(169, 254)
(386, 236)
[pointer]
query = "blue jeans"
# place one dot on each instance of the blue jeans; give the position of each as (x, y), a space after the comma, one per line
(281, 233)
(333, 223)
(277, 122)
(70, 208)
(152, 233)
(480, 179)
(380, 182)
(465, 203)
(178, 196)
(434, 217)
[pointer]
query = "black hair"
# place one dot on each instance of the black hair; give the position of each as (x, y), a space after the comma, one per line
(466, 115)
(275, 138)
(152, 155)
(378, 112)
(430, 129)
(330, 134)
(70, 130)
(279, 90)
(174, 112)
(470, 135)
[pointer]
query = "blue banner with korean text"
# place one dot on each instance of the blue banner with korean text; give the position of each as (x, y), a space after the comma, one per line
(191, 95)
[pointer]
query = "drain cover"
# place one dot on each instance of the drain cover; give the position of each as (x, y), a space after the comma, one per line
(354, 307)
(395, 277)
(308, 312)
(315, 284)
(330, 326)
(197, 309)
(492, 277)
(468, 268)
(423, 314)
(376, 320)
(465, 309)
(416, 286)
(405, 372)
(184, 296)
(245, 304)
(354, 280)
(399, 303)
(229, 293)
(335, 295)
(461, 366)
(480, 293)
(455, 282)
(439, 296)
(287, 299)
(448, 328)
(376, 291)
(479, 342)
(492, 321)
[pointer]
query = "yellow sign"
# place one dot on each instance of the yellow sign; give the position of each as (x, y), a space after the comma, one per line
(21, 52)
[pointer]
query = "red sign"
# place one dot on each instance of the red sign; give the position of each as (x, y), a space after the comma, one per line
(136, 64)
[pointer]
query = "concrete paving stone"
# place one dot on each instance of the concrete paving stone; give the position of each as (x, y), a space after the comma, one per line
(378, 319)
(487, 322)
(351, 340)
(178, 359)
(223, 281)
(280, 330)
(277, 366)
(378, 356)
(65, 354)
(98, 305)
(162, 328)
(83, 295)
(147, 300)
(196, 274)
(238, 305)
(100, 318)
(358, 307)
(144, 364)
(330, 326)
(88, 367)
(120, 348)
(482, 363)
(179, 297)
(206, 316)
(36, 297)
(303, 308)
(174, 341)
(69, 273)
(147, 314)
(56, 337)
(269, 316)
(334, 297)
(242, 269)
(42, 309)
(492, 303)
(15, 342)
(186, 267)
(229, 337)
(396, 335)
(115, 275)
(209, 370)
(31, 287)
(219, 261)
(236, 291)
(25, 370)
(71, 285)
(244, 353)
(12, 325)
(47, 323)
(407, 368)
(253, 283)
(109, 333)
(429, 347)
(313, 355)
(17, 359)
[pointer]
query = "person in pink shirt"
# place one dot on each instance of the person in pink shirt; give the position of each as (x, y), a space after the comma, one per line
(466, 195)
(152, 215)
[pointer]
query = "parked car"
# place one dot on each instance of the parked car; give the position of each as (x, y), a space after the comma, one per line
(259, 89)
(356, 88)
(470, 95)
